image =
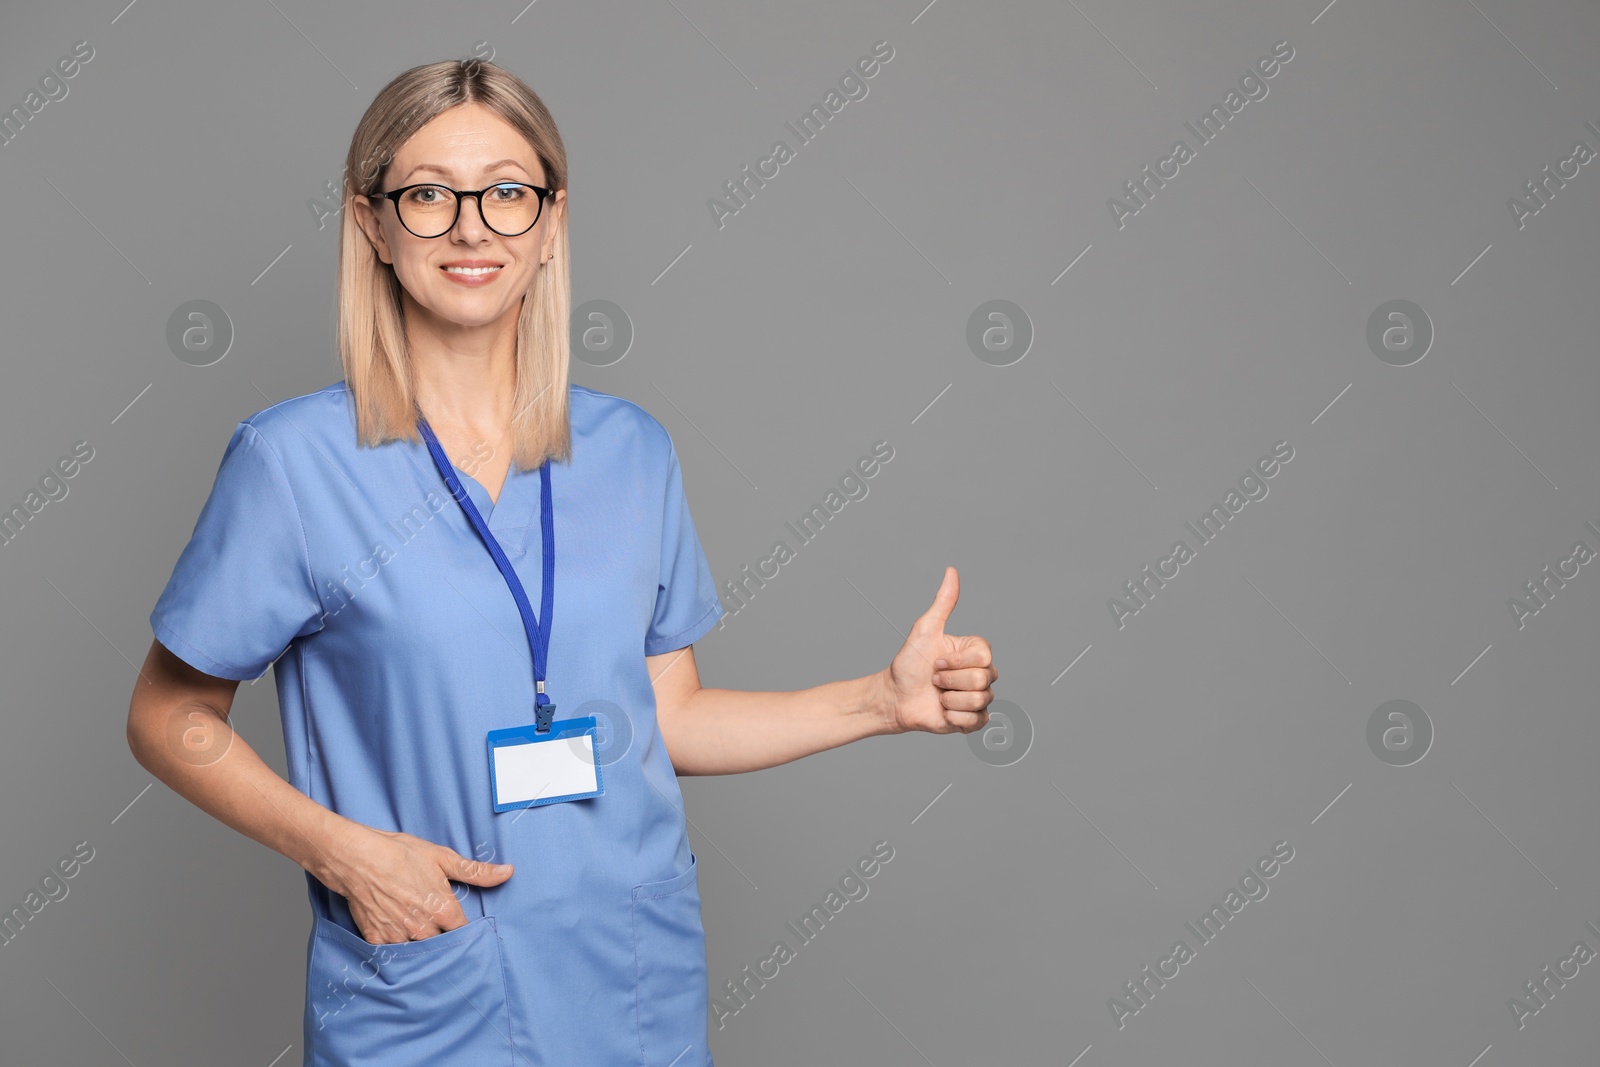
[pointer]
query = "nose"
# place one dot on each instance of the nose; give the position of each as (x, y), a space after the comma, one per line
(471, 224)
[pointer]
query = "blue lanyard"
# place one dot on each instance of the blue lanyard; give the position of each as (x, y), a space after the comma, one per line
(538, 639)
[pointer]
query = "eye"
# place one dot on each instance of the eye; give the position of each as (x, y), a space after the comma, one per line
(425, 194)
(511, 193)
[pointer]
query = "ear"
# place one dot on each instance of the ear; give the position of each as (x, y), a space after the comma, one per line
(367, 219)
(556, 207)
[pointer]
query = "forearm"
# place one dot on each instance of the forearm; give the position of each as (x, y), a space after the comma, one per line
(238, 788)
(730, 731)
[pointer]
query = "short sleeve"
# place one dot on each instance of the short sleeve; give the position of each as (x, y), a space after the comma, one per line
(242, 588)
(687, 605)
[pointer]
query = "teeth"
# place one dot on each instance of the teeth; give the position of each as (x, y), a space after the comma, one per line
(472, 270)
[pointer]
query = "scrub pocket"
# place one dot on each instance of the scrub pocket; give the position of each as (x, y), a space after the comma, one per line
(669, 952)
(438, 1001)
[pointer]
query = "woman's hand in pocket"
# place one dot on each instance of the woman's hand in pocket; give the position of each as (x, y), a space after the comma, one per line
(398, 886)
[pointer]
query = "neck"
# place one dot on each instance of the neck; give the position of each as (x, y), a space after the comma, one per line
(464, 376)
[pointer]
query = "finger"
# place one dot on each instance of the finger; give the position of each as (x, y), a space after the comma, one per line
(436, 915)
(454, 921)
(974, 652)
(966, 721)
(485, 874)
(474, 872)
(970, 678)
(376, 932)
(944, 601)
(965, 700)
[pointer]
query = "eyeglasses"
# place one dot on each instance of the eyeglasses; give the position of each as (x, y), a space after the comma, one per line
(429, 210)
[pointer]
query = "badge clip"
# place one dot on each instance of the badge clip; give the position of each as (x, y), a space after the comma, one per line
(542, 713)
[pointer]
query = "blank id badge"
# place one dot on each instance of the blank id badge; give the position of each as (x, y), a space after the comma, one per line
(527, 768)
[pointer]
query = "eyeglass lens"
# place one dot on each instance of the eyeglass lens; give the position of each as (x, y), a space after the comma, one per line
(430, 210)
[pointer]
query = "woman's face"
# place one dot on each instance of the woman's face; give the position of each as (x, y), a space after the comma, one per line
(466, 147)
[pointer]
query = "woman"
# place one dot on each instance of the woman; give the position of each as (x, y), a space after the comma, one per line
(458, 920)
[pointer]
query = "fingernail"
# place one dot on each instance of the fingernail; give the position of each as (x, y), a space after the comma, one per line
(940, 663)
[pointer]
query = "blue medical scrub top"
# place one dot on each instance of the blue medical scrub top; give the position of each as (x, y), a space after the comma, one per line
(398, 646)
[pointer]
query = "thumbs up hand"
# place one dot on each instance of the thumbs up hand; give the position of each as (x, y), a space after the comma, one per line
(938, 682)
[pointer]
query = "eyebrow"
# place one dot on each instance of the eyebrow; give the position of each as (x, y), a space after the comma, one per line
(447, 172)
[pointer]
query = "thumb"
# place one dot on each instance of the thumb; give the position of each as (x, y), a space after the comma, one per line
(475, 872)
(944, 601)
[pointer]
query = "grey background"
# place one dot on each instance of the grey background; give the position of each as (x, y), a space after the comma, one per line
(830, 313)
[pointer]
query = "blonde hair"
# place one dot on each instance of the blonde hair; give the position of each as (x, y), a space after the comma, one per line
(371, 325)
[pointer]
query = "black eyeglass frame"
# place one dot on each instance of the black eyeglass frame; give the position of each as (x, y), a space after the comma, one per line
(460, 194)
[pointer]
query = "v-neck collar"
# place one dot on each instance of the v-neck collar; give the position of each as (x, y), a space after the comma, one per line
(513, 510)
(480, 494)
